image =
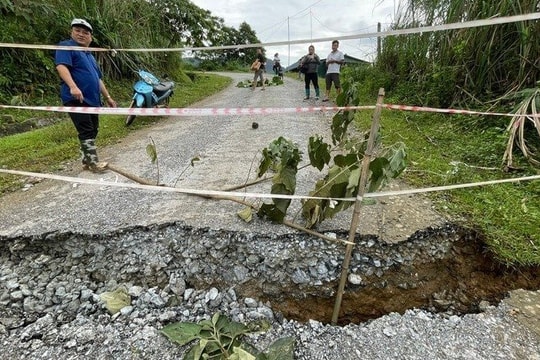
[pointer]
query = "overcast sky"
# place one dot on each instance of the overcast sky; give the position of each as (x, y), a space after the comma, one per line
(284, 20)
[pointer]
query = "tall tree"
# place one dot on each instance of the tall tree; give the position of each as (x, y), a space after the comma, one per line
(248, 36)
(187, 23)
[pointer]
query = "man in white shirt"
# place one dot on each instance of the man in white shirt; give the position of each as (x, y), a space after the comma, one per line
(334, 60)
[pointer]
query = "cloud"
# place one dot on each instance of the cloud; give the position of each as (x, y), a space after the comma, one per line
(282, 20)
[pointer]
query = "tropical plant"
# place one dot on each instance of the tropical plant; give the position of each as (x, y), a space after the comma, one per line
(445, 67)
(522, 128)
(342, 159)
(26, 71)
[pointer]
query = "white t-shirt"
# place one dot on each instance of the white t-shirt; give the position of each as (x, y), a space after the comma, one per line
(337, 56)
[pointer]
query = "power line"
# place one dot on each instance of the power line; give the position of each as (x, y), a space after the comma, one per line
(274, 25)
(308, 8)
(292, 16)
(342, 31)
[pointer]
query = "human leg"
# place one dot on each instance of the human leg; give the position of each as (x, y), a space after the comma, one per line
(259, 74)
(315, 81)
(337, 84)
(306, 85)
(332, 78)
(328, 83)
(255, 76)
(87, 126)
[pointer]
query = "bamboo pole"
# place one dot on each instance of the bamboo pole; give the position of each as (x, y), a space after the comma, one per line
(358, 204)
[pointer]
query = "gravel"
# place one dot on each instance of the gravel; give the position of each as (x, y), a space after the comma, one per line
(178, 265)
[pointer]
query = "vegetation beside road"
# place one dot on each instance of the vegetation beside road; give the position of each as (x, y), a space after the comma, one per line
(444, 69)
(458, 149)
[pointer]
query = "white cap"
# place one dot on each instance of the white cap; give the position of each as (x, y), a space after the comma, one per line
(83, 23)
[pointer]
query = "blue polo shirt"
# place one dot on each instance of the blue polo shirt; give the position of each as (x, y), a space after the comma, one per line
(84, 71)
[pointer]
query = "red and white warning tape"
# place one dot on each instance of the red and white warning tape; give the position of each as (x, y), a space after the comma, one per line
(188, 111)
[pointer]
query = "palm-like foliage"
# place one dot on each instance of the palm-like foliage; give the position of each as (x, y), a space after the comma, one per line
(469, 67)
(521, 128)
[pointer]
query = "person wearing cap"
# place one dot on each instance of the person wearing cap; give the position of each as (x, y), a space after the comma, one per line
(82, 85)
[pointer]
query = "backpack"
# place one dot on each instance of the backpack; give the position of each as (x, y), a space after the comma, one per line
(256, 65)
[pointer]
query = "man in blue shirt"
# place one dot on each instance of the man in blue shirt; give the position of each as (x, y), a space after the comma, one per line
(82, 85)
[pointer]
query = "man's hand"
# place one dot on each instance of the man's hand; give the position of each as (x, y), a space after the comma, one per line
(111, 102)
(76, 93)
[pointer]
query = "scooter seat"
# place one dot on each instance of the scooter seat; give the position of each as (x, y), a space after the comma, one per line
(163, 86)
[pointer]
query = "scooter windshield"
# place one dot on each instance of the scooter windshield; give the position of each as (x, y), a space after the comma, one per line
(148, 78)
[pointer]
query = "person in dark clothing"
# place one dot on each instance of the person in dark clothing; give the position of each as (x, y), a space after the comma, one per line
(311, 61)
(82, 85)
(277, 64)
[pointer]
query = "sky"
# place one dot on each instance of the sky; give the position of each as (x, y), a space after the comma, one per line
(292, 20)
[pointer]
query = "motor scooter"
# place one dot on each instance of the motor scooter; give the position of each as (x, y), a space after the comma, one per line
(149, 92)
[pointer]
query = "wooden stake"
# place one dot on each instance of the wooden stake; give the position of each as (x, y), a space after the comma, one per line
(130, 176)
(358, 204)
(142, 181)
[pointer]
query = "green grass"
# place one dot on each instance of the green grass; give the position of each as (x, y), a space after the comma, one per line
(45, 149)
(451, 149)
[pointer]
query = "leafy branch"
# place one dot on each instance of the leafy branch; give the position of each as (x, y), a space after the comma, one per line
(283, 157)
(221, 338)
(343, 169)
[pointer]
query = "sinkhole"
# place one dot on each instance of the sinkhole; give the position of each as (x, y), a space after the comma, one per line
(443, 269)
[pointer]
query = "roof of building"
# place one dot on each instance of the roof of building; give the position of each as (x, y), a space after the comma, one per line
(348, 60)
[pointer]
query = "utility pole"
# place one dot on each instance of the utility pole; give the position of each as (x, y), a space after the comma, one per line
(311, 25)
(289, 42)
(378, 42)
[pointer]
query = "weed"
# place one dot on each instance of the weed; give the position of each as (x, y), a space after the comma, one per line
(221, 338)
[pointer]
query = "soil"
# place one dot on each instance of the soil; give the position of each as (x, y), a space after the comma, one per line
(463, 282)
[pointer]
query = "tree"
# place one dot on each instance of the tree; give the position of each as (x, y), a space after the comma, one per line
(186, 22)
(248, 36)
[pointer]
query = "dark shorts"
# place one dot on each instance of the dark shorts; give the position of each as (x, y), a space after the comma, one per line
(333, 77)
